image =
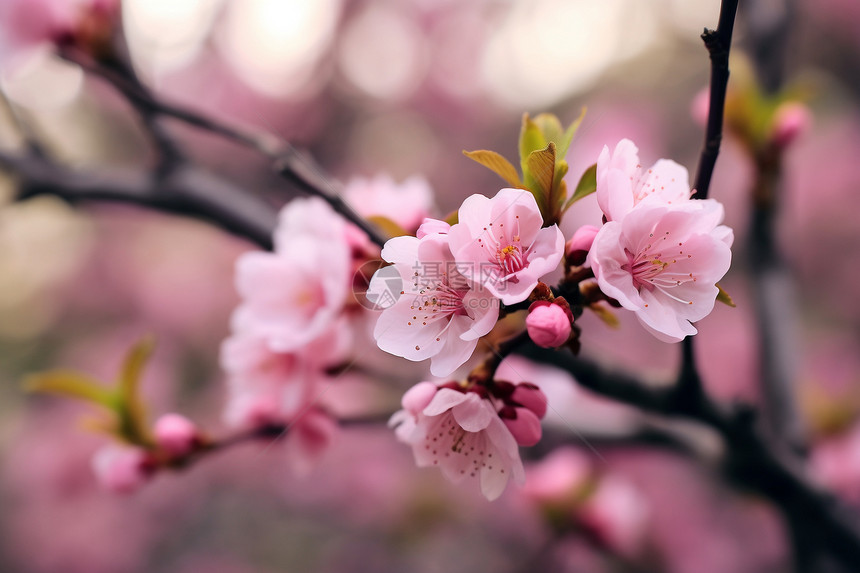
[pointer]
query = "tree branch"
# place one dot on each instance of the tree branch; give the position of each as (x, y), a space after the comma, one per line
(286, 160)
(185, 191)
(811, 512)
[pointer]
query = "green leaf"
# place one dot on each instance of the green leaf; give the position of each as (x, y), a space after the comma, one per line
(604, 314)
(132, 366)
(452, 218)
(73, 385)
(132, 410)
(559, 187)
(387, 226)
(531, 139)
(497, 164)
(541, 168)
(586, 186)
(725, 297)
(563, 144)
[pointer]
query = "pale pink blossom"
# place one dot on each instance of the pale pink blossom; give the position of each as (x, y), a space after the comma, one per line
(461, 433)
(548, 324)
(271, 389)
(407, 203)
(663, 262)
(293, 295)
(432, 226)
(175, 434)
(835, 462)
(499, 244)
(266, 387)
(622, 183)
(121, 469)
(437, 313)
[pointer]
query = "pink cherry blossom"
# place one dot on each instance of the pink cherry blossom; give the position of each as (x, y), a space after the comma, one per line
(622, 184)
(175, 434)
(499, 244)
(548, 324)
(437, 314)
(293, 295)
(407, 203)
(432, 226)
(662, 262)
(121, 469)
(461, 433)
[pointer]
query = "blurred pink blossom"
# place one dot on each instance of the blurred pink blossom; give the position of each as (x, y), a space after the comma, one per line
(295, 294)
(499, 244)
(175, 434)
(791, 120)
(406, 203)
(121, 469)
(618, 514)
(558, 479)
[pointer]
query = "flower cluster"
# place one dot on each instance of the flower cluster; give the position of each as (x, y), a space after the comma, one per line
(297, 316)
(454, 277)
(660, 253)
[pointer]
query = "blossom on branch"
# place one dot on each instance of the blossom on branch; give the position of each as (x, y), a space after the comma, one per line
(622, 184)
(460, 432)
(437, 314)
(499, 244)
(293, 295)
(663, 262)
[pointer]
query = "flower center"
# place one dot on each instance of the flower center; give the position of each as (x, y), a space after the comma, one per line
(654, 267)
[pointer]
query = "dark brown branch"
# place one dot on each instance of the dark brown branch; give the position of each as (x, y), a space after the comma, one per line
(286, 160)
(749, 459)
(718, 42)
(186, 191)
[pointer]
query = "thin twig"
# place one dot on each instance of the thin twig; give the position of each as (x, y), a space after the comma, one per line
(286, 160)
(187, 191)
(749, 459)
(718, 43)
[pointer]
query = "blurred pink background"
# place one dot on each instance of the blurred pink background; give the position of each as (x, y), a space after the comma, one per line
(401, 87)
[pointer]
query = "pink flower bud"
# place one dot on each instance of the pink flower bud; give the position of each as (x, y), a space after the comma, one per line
(531, 397)
(175, 434)
(617, 513)
(558, 478)
(791, 120)
(548, 324)
(121, 469)
(699, 106)
(522, 423)
(579, 245)
(416, 398)
(432, 226)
